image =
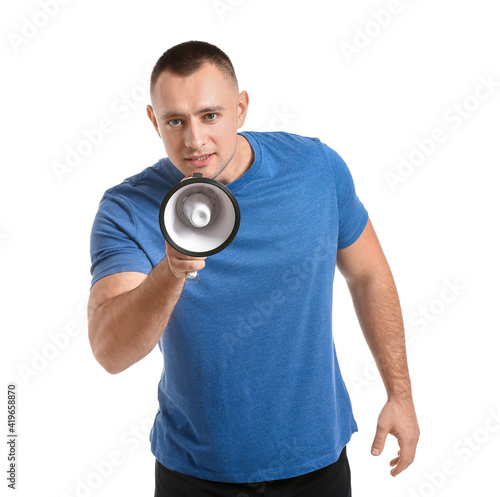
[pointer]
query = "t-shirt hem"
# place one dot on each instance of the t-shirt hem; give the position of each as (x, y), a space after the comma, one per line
(139, 268)
(360, 227)
(266, 475)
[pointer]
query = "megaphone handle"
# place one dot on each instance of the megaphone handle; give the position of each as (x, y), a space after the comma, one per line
(192, 277)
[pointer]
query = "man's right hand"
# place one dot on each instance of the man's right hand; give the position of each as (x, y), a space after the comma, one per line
(181, 264)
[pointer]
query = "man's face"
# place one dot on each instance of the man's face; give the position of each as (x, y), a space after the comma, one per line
(197, 118)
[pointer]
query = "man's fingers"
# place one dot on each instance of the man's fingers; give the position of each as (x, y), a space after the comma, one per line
(185, 257)
(180, 264)
(181, 267)
(379, 441)
(407, 454)
(401, 466)
(179, 255)
(398, 418)
(395, 460)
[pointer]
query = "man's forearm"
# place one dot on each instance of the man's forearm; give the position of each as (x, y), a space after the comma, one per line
(379, 313)
(127, 327)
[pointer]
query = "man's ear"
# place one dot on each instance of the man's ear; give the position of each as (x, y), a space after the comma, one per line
(242, 108)
(152, 117)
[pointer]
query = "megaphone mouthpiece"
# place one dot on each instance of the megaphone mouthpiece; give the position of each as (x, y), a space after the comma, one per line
(198, 209)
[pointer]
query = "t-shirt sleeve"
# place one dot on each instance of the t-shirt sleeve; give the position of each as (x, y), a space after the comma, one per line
(353, 215)
(113, 242)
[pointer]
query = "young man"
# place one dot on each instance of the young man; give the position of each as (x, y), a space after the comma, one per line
(251, 398)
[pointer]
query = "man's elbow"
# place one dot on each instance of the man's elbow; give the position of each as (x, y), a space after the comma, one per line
(110, 365)
(104, 357)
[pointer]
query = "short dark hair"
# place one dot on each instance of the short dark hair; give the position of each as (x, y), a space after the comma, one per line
(186, 58)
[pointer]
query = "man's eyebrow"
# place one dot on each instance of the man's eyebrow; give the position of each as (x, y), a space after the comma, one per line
(204, 110)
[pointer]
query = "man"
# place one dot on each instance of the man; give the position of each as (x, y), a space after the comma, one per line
(251, 399)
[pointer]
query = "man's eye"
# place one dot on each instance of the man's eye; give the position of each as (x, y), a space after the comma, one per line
(174, 122)
(212, 116)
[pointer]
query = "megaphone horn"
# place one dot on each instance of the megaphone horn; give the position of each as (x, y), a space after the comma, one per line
(199, 217)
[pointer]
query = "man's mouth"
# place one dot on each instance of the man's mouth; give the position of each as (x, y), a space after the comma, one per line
(199, 160)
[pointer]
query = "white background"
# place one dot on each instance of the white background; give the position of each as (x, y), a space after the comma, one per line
(65, 72)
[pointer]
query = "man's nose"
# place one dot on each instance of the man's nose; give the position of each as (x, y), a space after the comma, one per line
(194, 136)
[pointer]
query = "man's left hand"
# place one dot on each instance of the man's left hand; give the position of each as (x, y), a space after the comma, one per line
(398, 418)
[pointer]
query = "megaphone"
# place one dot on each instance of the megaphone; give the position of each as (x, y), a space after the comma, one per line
(199, 217)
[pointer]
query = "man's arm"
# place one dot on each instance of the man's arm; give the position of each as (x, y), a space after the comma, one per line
(128, 312)
(377, 307)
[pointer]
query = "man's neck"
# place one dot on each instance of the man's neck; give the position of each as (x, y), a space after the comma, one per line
(243, 160)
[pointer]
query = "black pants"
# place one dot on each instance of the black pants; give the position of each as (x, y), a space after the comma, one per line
(331, 481)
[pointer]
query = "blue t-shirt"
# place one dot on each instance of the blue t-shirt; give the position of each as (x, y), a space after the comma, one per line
(251, 389)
